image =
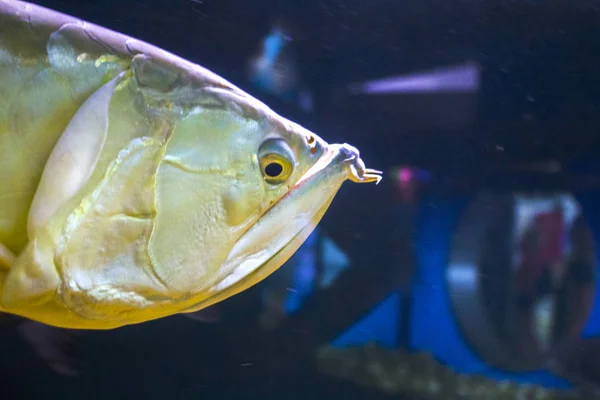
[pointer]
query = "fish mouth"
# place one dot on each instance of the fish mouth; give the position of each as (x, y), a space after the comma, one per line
(284, 227)
(349, 157)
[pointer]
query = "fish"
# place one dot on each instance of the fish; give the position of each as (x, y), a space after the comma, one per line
(274, 69)
(138, 185)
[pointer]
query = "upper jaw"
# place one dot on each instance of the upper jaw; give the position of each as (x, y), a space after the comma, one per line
(348, 158)
(357, 171)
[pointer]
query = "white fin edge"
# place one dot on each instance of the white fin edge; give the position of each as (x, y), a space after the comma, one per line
(73, 158)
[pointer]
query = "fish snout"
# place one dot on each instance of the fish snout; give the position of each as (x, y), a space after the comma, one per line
(357, 172)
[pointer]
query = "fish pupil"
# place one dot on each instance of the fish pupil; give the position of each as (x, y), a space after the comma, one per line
(273, 169)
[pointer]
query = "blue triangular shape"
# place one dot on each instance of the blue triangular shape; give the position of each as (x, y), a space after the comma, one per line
(381, 325)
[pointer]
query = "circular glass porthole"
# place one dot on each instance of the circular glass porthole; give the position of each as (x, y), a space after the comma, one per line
(521, 276)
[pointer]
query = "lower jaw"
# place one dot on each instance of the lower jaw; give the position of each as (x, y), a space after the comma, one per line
(271, 265)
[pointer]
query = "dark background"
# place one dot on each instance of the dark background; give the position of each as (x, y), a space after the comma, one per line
(539, 100)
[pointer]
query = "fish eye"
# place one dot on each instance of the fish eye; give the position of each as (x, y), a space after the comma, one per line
(274, 169)
(276, 161)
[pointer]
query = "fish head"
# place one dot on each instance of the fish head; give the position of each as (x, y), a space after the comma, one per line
(239, 190)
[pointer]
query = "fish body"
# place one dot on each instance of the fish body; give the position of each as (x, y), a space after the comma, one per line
(138, 185)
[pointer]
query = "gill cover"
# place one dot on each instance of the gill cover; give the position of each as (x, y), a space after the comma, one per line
(209, 191)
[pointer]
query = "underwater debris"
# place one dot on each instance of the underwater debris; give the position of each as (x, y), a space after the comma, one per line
(400, 372)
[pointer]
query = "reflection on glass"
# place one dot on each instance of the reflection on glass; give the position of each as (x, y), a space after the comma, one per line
(554, 274)
(521, 276)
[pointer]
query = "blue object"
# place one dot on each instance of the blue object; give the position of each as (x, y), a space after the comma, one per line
(590, 203)
(303, 263)
(433, 326)
(380, 325)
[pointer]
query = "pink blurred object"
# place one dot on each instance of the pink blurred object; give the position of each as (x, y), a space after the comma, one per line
(407, 182)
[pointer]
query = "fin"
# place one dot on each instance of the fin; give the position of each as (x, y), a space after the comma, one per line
(208, 315)
(73, 158)
(57, 347)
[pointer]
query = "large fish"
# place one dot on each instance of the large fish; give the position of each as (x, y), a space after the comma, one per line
(137, 185)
